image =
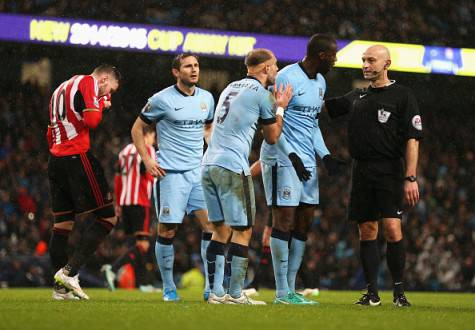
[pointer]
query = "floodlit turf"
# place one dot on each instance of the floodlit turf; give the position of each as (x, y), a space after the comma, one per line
(34, 309)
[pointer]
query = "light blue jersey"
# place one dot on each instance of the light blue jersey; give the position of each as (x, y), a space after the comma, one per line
(180, 125)
(300, 117)
(318, 143)
(241, 105)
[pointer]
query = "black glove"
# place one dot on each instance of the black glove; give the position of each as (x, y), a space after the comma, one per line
(299, 167)
(333, 165)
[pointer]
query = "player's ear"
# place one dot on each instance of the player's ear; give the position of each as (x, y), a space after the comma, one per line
(175, 72)
(388, 64)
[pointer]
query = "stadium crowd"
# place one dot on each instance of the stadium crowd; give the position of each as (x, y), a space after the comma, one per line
(429, 22)
(440, 231)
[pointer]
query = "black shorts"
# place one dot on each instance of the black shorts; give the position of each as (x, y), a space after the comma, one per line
(376, 190)
(77, 184)
(136, 219)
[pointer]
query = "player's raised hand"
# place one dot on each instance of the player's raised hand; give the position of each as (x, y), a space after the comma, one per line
(154, 168)
(106, 101)
(282, 95)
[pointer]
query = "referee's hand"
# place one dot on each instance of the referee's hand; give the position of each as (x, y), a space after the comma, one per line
(411, 192)
(334, 166)
(302, 173)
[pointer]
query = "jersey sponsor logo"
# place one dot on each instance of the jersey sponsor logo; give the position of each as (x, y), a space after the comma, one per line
(320, 92)
(190, 123)
(300, 93)
(203, 106)
(362, 95)
(383, 115)
(417, 122)
(306, 108)
(178, 109)
(399, 212)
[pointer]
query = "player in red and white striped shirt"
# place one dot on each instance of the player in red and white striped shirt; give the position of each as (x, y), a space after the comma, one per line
(133, 191)
(77, 181)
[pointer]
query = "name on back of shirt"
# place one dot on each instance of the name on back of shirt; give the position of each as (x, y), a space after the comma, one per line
(248, 85)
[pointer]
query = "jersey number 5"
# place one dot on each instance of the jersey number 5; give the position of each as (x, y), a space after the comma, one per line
(225, 107)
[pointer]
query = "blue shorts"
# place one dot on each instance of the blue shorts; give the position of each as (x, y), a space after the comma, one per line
(229, 196)
(177, 193)
(283, 188)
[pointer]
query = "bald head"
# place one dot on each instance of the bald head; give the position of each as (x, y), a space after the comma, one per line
(379, 51)
(376, 61)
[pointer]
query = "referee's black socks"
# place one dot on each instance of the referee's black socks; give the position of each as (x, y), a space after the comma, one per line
(369, 255)
(396, 258)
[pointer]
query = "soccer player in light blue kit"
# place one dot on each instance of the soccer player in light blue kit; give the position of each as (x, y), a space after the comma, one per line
(183, 114)
(227, 181)
(289, 168)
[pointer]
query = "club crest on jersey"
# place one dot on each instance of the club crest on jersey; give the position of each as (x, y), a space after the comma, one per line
(286, 192)
(166, 210)
(96, 102)
(320, 93)
(417, 122)
(203, 106)
(383, 115)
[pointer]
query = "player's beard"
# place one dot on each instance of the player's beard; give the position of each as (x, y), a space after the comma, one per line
(189, 83)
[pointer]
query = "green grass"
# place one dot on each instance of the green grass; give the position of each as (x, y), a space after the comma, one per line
(34, 309)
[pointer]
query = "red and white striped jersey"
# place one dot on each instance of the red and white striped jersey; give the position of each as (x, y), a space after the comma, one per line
(133, 184)
(67, 132)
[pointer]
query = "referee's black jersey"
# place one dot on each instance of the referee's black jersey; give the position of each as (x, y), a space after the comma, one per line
(381, 120)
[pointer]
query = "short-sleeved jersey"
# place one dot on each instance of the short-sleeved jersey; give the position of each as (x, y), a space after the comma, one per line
(69, 134)
(303, 109)
(381, 120)
(180, 120)
(133, 184)
(241, 106)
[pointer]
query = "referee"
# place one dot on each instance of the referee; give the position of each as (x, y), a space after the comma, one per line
(384, 128)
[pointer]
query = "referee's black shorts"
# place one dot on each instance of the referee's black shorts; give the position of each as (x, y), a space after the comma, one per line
(376, 190)
(77, 184)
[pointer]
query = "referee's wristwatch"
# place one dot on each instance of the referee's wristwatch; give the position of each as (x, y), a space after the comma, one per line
(410, 178)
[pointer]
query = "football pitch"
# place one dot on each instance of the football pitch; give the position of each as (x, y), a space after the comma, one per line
(34, 309)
